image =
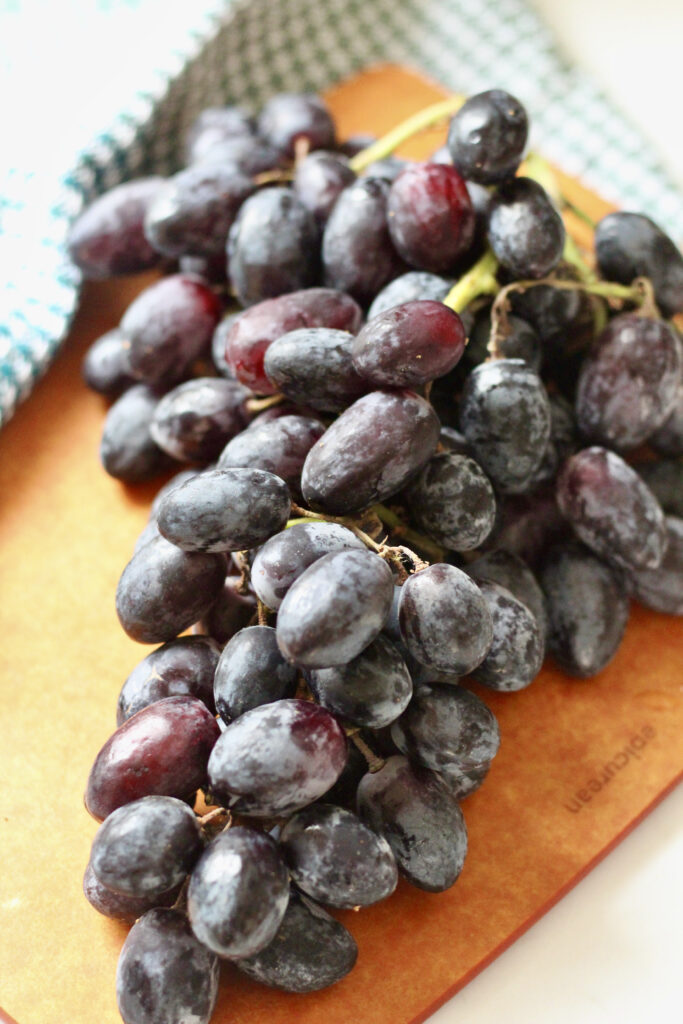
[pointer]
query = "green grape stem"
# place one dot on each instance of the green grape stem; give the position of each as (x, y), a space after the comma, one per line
(479, 280)
(414, 124)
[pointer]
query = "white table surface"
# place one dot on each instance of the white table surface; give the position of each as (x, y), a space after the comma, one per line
(611, 950)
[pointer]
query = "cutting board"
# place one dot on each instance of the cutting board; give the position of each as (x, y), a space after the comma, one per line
(581, 762)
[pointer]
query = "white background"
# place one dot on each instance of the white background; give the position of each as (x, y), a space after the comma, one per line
(611, 951)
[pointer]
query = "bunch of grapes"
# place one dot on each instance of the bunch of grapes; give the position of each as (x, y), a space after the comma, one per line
(407, 467)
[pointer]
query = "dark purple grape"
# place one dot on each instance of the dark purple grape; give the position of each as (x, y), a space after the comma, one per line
(310, 951)
(164, 975)
(416, 285)
(461, 782)
(278, 446)
(273, 246)
(182, 667)
(665, 480)
(555, 313)
(284, 557)
(391, 626)
(371, 690)
(587, 609)
(512, 572)
(214, 125)
(430, 216)
(529, 523)
(487, 136)
(108, 240)
(251, 672)
(290, 118)
(238, 893)
(562, 443)
(163, 590)
(168, 325)
(409, 345)
(453, 501)
(668, 438)
(335, 609)
(194, 210)
(256, 328)
(358, 255)
(105, 367)
(521, 342)
(336, 859)
(370, 452)
(170, 485)
(516, 653)
(195, 421)
(629, 381)
(147, 847)
(277, 758)
(162, 750)
(120, 907)
(128, 451)
(611, 509)
(447, 727)
(245, 154)
(313, 366)
(211, 270)
(445, 622)
(420, 819)
(661, 589)
(319, 179)
(225, 510)
(219, 344)
(629, 245)
(229, 613)
(505, 416)
(150, 532)
(525, 231)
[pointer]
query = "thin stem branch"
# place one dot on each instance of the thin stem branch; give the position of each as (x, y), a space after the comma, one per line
(374, 761)
(321, 517)
(406, 533)
(479, 280)
(261, 404)
(418, 122)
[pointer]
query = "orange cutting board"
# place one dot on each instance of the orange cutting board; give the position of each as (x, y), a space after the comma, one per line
(581, 762)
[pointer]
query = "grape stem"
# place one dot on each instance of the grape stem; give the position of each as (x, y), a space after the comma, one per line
(261, 404)
(374, 761)
(479, 280)
(396, 524)
(321, 517)
(414, 124)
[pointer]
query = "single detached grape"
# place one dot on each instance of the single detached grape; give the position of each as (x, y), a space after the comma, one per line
(587, 609)
(238, 893)
(430, 216)
(487, 136)
(447, 727)
(629, 382)
(421, 820)
(182, 667)
(273, 246)
(284, 557)
(162, 750)
(147, 847)
(251, 672)
(164, 590)
(371, 690)
(445, 622)
(409, 345)
(310, 951)
(108, 239)
(611, 509)
(336, 859)
(277, 758)
(335, 609)
(225, 510)
(370, 451)
(525, 230)
(164, 975)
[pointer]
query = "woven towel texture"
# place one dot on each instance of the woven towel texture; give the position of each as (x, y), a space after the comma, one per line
(189, 56)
